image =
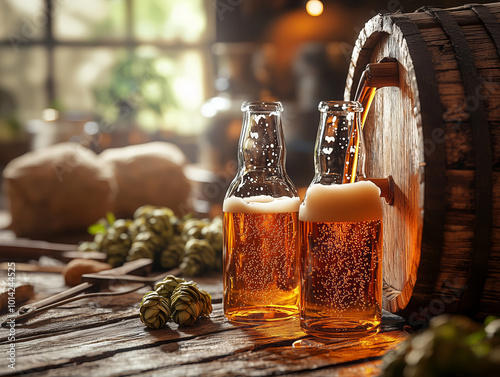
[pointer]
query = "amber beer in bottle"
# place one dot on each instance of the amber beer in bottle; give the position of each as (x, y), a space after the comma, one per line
(341, 260)
(261, 273)
(340, 222)
(261, 238)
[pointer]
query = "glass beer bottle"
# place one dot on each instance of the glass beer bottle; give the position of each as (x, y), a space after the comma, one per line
(340, 234)
(261, 278)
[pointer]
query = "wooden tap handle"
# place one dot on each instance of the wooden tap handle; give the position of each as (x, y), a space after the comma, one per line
(386, 186)
(385, 73)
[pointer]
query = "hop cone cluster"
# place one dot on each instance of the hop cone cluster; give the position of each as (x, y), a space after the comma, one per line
(213, 234)
(199, 255)
(176, 299)
(116, 242)
(188, 302)
(154, 310)
(153, 231)
(166, 286)
(156, 233)
(453, 345)
(203, 250)
(192, 228)
(172, 254)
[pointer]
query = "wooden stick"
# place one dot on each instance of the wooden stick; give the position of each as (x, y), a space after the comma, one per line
(26, 249)
(26, 267)
(139, 266)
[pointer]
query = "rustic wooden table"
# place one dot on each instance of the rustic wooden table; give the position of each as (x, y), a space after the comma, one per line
(104, 337)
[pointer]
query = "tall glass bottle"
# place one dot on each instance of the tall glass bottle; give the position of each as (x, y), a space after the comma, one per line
(261, 279)
(340, 233)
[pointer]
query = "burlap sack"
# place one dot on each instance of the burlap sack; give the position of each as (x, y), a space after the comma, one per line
(57, 189)
(149, 173)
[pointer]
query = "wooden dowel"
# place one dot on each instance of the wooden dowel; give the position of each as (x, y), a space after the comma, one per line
(26, 267)
(26, 249)
(386, 186)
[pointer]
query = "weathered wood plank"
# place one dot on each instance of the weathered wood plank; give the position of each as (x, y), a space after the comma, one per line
(365, 369)
(278, 360)
(105, 337)
(90, 313)
(209, 349)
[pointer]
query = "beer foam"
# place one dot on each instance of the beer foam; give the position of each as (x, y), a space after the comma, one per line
(359, 201)
(261, 204)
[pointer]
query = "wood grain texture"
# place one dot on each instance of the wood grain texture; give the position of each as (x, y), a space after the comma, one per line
(433, 160)
(106, 338)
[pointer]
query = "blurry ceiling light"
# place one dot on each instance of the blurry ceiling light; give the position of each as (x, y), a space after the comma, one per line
(91, 128)
(221, 84)
(210, 108)
(314, 7)
(50, 115)
(186, 90)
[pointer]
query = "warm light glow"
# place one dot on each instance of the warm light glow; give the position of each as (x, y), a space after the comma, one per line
(210, 108)
(314, 7)
(50, 115)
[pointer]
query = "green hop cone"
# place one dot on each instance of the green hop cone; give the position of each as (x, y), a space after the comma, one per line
(153, 231)
(88, 246)
(199, 256)
(142, 210)
(166, 286)
(157, 220)
(177, 225)
(192, 228)
(154, 310)
(145, 245)
(213, 233)
(188, 303)
(133, 230)
(98, 238)
(116, 242)
(172, 255)
(452, 345)
(207, 300)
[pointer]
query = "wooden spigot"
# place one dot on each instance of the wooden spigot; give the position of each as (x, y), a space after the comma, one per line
(386, 186)
(376, 76)
(380, 75)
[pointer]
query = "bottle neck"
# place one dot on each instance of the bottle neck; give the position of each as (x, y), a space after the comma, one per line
(262, 147)
(331, 147)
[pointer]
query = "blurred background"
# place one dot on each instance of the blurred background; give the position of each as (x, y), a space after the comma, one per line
(111, 73)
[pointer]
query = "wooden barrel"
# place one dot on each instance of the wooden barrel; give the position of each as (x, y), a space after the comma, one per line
(438, 135)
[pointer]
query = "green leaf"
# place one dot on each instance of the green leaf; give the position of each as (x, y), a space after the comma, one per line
(111, 218)
(96, 229)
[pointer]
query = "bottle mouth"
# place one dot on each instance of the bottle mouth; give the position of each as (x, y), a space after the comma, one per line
(343, 106)
(261, 106)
